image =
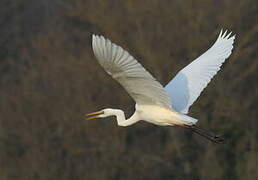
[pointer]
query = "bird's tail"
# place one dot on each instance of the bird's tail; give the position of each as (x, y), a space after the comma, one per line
(187, 120)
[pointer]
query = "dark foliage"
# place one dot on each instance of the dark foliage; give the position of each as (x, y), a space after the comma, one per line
(50, 79)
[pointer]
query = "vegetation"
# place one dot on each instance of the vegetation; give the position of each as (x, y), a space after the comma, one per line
(50, 79)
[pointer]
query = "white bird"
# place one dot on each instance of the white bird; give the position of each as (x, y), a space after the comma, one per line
(155, 104)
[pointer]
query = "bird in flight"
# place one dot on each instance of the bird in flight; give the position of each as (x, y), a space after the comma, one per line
(164, 106)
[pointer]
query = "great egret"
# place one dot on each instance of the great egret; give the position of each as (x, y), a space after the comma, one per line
(161, 106)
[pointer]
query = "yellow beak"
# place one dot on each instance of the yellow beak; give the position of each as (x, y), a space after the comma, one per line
(93, 115)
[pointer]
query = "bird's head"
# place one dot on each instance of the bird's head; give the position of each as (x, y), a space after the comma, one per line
(100, 114)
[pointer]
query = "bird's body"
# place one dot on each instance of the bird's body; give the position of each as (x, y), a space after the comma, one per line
(162, 116)
(157, 115)
(161, 106)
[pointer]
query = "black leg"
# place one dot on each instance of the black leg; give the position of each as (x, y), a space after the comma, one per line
(205, 133)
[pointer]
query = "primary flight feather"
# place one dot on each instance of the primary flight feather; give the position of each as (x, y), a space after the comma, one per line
(155, 104)
(138, 82)
(187, 85)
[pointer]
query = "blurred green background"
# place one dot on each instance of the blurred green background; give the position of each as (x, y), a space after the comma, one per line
(50, 79)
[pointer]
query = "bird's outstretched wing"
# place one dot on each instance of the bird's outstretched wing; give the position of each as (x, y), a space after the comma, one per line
(138, 82)
(187, 85)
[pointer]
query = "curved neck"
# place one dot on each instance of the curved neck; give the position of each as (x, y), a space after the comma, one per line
(121, 121)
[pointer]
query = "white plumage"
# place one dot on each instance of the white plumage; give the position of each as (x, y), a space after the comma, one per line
(155, 104)
(138, 82)
(187, 85)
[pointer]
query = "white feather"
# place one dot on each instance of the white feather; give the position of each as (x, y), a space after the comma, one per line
(187, 85)
(138, 82)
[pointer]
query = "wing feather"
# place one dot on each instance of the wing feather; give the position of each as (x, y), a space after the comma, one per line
(124, 68)
(187, 85)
